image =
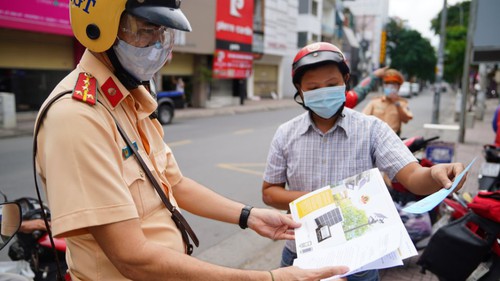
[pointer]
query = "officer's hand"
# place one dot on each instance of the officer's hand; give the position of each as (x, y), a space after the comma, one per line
(380, 72)
(294, 273)
(272, 224)
(444, 174)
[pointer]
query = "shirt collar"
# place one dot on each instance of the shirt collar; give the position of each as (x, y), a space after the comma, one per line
(307, 124)
(145, 103)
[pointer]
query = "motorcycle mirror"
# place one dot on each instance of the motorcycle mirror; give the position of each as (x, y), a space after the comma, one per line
(10, 221)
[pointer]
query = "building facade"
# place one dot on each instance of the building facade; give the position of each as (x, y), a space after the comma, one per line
(238, 48)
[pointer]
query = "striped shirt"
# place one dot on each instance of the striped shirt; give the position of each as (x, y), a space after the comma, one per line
(306, 159)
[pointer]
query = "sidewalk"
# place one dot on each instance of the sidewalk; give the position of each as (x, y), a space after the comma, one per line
(26, 120)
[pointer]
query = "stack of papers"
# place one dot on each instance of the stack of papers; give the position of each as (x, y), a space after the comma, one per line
(355, 224)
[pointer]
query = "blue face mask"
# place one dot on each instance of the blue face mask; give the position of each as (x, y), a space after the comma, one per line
(325, 102)
(390, 89)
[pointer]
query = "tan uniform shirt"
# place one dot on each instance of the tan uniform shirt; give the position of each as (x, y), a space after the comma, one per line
(389, 112)
(88, 179)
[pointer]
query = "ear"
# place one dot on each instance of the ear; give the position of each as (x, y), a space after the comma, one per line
(347, 76)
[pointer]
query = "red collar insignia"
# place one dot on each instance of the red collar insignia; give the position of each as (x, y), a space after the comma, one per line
(86, 88)
(112, 92)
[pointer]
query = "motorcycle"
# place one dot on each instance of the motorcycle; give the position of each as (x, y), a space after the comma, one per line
(35, 247)
(10, 222)
(489, 173)
(419, 226)
(468, 247)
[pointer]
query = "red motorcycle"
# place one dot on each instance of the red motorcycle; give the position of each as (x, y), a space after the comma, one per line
(419, 226)
(35, 247)
(468, 247)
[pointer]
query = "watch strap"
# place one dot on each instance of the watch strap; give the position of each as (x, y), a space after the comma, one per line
(245, 213)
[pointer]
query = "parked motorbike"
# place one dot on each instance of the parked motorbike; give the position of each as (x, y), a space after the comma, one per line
(10, 222)
(35, 247)
(419, 226)
(489, 174)
(468, 247)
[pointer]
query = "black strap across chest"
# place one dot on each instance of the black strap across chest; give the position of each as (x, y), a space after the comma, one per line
(179, 220)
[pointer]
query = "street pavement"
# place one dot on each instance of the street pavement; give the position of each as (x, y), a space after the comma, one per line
(263, 254)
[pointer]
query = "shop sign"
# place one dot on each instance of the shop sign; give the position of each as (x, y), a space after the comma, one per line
(235, 65)
(49, 16)
(233, 39)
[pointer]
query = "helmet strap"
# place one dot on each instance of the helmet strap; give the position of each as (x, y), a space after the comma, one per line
(125, 78)
(300, 102)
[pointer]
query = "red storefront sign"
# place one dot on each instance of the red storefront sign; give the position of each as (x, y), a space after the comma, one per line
(49, 16)
(234, 35)
(229, 64)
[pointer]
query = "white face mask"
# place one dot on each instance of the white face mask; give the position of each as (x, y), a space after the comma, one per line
(142, 63)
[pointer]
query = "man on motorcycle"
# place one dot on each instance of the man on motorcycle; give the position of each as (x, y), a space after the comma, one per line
(330, 142)
(390, 108)
(102, 203)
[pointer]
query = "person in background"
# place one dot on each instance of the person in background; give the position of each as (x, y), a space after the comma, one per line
(330, 142)
(390, 108)
(102, 200)
(495, 124)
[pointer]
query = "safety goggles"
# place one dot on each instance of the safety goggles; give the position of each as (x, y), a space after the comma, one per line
(140, 33)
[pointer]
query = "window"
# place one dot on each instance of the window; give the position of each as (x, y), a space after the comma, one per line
(314, 8)
(303, 6)
(302, 40)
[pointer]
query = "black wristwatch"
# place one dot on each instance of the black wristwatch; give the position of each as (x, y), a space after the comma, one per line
(245, 213)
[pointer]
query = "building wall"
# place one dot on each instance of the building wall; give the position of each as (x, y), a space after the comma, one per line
(201, 15)
(31, 50)
(280, 41)
(371, 16)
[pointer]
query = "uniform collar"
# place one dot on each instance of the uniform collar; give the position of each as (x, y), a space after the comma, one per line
(112, 90)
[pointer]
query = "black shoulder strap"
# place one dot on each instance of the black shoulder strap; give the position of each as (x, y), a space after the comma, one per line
(177, 217)
(181, 223)
(41, 115)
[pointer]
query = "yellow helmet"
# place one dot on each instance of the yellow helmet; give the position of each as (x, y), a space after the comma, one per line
(95, 22)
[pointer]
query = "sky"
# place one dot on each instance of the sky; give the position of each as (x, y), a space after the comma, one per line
(419, 14)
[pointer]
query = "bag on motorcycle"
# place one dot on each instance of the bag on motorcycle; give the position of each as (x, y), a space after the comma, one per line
(456, 249)
(487, 204)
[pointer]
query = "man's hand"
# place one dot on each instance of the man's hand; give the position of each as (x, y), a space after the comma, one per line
(294, 273)
(380, 72)
(31, 225)
(445, 173)
(272, 224)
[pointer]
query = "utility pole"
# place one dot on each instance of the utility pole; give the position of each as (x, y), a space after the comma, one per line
(465, 74)
(440, 63)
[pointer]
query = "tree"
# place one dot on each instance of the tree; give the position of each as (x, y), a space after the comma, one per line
(410, 52)
(456, 38)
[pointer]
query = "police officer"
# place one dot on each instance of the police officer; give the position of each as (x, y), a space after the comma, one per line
(102, 201)
(390, 108)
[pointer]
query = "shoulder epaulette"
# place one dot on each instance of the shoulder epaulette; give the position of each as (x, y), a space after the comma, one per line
(86, 88)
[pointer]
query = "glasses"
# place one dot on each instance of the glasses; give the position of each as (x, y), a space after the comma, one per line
(143, 34)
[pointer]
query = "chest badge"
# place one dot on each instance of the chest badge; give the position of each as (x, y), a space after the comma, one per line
(112, 92)
(127, 151)
(86, 88)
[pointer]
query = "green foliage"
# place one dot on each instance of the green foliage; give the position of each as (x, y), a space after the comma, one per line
(410, 52)
(454, 53)
(456, 14)
(457, 21)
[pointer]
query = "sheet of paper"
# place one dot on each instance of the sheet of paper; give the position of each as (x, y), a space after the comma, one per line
(354, 223)
(431, 201)
(390, 260)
